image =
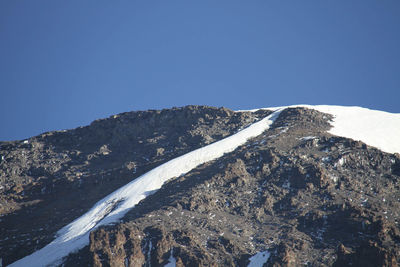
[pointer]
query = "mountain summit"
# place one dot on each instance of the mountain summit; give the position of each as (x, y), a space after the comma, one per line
(204, 186)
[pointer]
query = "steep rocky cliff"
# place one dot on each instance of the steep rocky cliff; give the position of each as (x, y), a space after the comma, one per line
(296, 192)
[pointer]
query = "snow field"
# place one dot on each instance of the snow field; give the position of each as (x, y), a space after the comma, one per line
(375, 128)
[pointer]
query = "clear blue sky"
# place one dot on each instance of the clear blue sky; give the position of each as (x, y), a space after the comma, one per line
(65, 63)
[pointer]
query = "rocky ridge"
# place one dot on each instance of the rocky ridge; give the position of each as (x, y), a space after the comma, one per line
(307, 197)
(49, 180)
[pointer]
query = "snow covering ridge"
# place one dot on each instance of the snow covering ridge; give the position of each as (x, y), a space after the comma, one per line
(376, 128)
(113, 207)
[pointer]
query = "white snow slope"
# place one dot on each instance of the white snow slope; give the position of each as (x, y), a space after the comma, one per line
(113, 207)
(375, 128)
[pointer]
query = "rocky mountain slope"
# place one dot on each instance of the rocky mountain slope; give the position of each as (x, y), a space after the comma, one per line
(296, 193)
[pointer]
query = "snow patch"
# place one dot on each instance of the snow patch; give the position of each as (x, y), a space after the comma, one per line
(340, 162)
(113, 207)
(171, 260)
(375, 128)
(149, 251)
(306, 138)
(259, 259)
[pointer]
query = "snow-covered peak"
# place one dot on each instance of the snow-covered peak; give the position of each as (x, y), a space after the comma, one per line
(375, 128)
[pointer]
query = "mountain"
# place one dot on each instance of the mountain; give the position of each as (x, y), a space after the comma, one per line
(204, 186)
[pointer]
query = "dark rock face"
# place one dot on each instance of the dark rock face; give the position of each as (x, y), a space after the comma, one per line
(307, 197)
(367, 254)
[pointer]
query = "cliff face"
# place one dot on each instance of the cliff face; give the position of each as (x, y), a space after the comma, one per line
(302, 195)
